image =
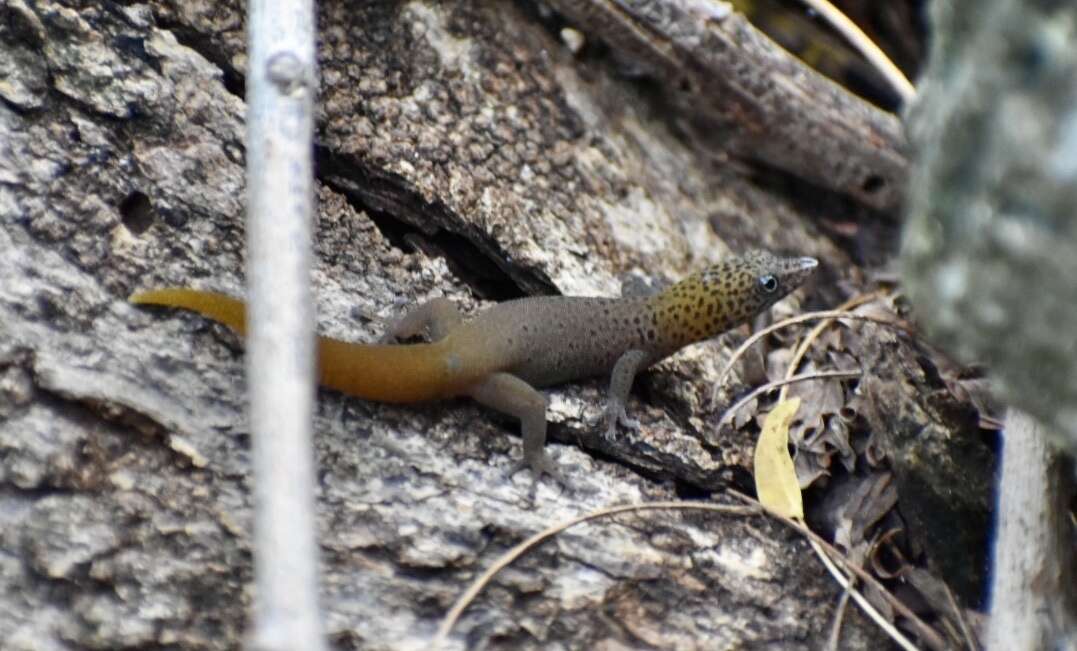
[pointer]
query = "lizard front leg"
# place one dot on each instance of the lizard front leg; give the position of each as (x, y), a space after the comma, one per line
(436, 317)
(624, 371)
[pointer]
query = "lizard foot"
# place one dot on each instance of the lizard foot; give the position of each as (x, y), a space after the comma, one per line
(539, 465)
(615, 417)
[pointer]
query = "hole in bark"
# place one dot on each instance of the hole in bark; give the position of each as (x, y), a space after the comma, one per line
(873, 184)
(137, 213)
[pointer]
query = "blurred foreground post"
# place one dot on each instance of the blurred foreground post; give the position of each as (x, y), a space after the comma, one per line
(989, 263)
(280, 365)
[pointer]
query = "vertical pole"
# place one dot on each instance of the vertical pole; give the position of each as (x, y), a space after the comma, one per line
(281, 85)
(1030, 605)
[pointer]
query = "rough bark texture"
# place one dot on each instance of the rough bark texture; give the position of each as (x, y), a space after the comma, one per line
(465, 130)
(742, 96)
(943, 468)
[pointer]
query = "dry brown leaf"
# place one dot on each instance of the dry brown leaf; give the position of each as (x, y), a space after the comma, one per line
(746, 413)
(833, 339)
(837, 436)
(978, 391)
(843, 361)
(777, 363)
(871, 498)
(810, 466)
(821, 398)
(871, 445)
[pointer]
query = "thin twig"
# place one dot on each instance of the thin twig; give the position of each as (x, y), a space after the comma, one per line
(926, 632)
(966, 631)
(839, 618)
(519, 550)
(810, 316)
(782, 383)
(754, 507)
(802, 348)
(860, 600)
(872, 52)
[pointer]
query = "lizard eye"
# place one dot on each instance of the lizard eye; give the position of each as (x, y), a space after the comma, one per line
(769, 283)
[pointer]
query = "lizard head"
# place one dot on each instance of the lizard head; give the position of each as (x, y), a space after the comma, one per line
(729, 293)
(757, 279)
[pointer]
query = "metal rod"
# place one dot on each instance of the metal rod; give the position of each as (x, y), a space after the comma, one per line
(281, 85)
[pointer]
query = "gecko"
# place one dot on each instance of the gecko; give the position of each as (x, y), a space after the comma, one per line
(501, 356)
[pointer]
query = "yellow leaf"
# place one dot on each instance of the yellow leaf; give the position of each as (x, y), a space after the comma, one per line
(775, 479)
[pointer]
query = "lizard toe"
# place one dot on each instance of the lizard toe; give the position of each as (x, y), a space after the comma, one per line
(539, 466)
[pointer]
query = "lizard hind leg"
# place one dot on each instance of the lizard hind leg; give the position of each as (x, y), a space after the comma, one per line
(511, 395)
(436, 317)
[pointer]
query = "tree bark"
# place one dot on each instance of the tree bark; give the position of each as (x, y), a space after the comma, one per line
(462, 151)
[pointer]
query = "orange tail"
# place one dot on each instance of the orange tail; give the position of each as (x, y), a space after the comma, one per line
(219, 307)
(386, 373)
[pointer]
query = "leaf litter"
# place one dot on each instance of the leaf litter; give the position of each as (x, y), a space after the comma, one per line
(853, 502)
